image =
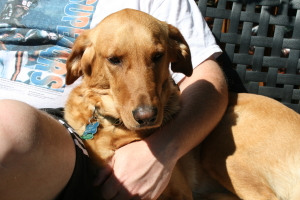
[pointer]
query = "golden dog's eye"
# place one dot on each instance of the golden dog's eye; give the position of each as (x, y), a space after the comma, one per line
(114, 60)
(157, 57)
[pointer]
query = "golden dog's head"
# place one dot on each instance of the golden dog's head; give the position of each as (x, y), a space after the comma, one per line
(129, 54)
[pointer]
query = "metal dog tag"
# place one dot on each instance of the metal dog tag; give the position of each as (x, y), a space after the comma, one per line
(90, 130)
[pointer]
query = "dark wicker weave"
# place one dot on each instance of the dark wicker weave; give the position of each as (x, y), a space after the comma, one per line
(266, 60)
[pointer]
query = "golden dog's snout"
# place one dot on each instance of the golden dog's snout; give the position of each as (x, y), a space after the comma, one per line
(145, 115)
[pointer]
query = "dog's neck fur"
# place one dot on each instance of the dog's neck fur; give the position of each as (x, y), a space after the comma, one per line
(112, 120)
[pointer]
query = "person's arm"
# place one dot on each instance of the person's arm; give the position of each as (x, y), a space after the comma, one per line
(142, 169)
(204, 101)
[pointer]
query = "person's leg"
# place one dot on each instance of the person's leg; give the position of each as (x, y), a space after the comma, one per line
(37, 154)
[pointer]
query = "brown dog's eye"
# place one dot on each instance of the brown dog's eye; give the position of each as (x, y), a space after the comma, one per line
(157, 57)
(114, 60)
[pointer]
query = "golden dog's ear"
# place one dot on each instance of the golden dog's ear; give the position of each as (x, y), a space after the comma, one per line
(180, 52)
(81, 58)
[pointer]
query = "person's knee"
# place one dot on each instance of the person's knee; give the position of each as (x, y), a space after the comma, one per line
(33, 144)
(18, 128)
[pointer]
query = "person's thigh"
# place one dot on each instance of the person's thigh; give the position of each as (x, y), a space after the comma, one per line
(37, 153)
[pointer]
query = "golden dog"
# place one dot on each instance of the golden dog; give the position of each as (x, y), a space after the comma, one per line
(127, 89)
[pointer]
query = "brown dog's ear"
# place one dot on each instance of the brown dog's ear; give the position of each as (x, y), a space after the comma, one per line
(180, 52)
(80, 59)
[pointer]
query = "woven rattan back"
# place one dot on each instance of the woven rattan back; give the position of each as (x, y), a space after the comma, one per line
(261, 43)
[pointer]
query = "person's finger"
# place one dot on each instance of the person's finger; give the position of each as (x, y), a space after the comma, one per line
(136, 197)
(102, 175)
(123, 194)
(110, 187)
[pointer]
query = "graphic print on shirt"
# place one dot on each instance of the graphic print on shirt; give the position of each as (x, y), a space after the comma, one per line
(36, 37)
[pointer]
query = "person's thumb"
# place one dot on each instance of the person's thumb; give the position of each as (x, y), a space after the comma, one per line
(102, 175)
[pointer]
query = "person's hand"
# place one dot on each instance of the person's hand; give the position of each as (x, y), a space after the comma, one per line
(137, 173)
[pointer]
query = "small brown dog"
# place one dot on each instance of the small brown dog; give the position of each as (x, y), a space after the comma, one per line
(127, 89)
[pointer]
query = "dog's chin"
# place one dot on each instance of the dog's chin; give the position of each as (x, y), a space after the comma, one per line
(138, 127)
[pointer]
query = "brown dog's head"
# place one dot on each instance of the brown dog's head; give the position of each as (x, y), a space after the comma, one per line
(129, 53)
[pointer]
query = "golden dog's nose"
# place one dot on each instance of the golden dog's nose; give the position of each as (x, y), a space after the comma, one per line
(145, 115)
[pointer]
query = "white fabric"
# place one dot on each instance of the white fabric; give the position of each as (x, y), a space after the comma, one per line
(183, 14)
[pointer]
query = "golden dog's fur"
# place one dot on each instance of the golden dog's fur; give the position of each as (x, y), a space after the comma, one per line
(124, 62)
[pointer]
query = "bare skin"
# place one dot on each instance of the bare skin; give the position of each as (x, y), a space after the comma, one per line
(39, 161)
(37, 154)
(204, 100)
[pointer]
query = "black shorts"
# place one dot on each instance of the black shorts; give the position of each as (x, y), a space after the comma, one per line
(80, 185)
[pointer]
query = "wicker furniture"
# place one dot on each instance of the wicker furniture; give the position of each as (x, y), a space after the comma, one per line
(261, 43)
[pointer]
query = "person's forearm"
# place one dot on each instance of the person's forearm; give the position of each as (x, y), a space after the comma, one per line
(203, 103)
